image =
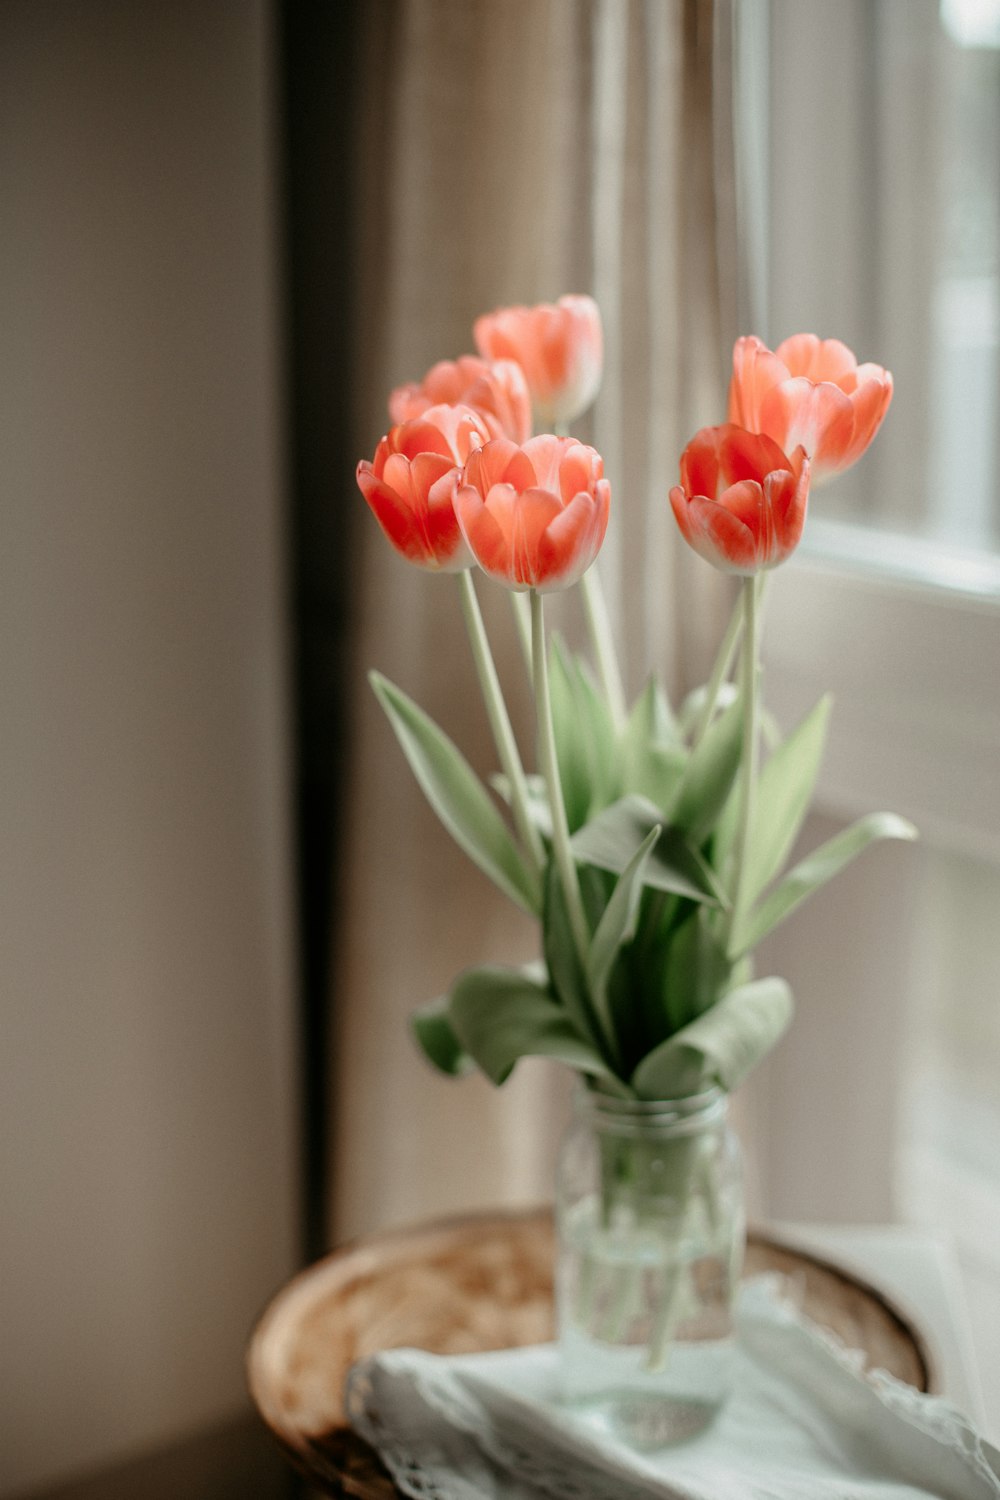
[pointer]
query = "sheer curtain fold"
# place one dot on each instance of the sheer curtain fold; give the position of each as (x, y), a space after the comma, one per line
(509, 153)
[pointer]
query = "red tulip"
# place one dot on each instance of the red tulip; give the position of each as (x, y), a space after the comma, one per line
(809, 391)
(410, 485)
(559, 347)
(496, 389)
(535, 516)
(741, 503)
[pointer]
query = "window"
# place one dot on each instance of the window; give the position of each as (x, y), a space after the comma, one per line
(876, 200)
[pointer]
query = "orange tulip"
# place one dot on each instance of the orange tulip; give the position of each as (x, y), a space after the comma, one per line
(496, 389)
(809, 391)
(410, 485)
(534, 516)
(559, 347)
(741, 503)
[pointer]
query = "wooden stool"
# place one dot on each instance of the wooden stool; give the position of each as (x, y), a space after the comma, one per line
(470, 1284)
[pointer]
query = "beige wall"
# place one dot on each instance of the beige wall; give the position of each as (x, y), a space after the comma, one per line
(146, 1058)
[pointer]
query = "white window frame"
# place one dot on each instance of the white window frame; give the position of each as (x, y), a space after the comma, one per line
(905, 633)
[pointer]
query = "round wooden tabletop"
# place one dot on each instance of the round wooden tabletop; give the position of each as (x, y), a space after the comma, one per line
(478, 1283)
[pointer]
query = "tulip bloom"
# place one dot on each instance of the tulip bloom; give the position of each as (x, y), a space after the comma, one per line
(534, 517)
(809, 391)
(741, 503)
(411, 483)
(559, 347)
(496, 389)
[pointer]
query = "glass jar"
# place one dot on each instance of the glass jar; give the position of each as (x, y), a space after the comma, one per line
(650, 1222)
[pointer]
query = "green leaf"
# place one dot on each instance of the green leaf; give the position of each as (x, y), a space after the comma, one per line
(814, 871)
(538, 797)
(458, 796)
(501, 1015)
(584, 734)
(601, 742)
(694, 705)
(435, 1034)
(570, 737)
(653, 759)
(610, 840)
(719, 1047)
(568, 980)
(695, 972)
(710, 774)
(617, 925)
(781, 800)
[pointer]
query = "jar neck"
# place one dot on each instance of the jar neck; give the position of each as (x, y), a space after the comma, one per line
(663, 1118)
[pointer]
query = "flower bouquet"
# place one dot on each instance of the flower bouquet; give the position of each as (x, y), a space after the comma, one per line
(649, 841)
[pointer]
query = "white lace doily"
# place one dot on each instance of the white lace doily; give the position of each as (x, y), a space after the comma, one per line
(804, 1423)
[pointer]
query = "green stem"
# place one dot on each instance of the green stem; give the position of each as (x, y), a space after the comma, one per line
(599, 625)
(522, 619)
(720, 672)
(748, 763)
(550, 770)
(503, 734)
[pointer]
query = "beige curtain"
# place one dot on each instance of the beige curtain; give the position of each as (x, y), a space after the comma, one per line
(512, 150)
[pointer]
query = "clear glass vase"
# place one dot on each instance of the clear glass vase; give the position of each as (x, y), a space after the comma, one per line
(650, 1220)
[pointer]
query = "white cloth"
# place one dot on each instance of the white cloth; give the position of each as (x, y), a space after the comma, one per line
(804, 1423)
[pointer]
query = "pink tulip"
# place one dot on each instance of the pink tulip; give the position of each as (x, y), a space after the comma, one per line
(535, 516)
(559, 347)
(496, 389)
(410, 485)
(741, 503)
(811, 392)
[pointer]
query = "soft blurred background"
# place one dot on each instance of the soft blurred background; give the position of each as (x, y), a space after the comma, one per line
(228, 227)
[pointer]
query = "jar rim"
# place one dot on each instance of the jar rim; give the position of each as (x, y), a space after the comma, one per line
(688, 1111)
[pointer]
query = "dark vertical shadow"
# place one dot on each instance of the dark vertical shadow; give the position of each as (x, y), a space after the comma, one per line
(317, 43)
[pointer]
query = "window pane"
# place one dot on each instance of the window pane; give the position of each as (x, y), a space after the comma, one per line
(884, 231)
(948, 1171)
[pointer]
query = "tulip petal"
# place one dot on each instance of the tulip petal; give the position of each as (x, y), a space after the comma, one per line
(534, 512)
(715, 534)
(870, 404)
(755, 371)
(396, 518)
(811, 392)
(785, 501)
(407, 402)
(520, 471)
(573, 539)
(443, 530)
(426, 469)
(745, 501)
(546, 453)
(747, 455)
(420, 436)
(396, 474)
(513, 401)
(482, 529)
(798, 352)
(576, 471)
(488, 465)
(492, 339)
(819, 417)
(526, 532)
(445, 381)
(559, 348)
(700, 463)
(818, 359)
